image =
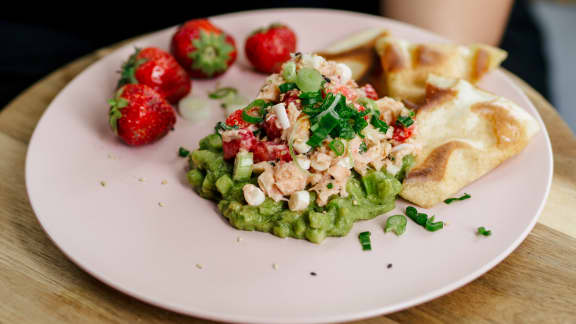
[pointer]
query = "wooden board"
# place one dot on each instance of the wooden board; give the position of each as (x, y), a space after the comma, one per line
(38, 284)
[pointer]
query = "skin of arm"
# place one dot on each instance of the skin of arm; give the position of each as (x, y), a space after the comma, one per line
(464, 21)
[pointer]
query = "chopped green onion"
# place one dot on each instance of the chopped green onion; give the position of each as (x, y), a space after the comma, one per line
(379, 124)
(412, 113)
(363, 147)
(222, 126)
(423, 220)
(405, 121)
(182, 152)
(463, 197)
(285, 87)
(309, 100)
(337, 146)
(222, 92)
(309, 79)
(368, 103)
(396, 224)
(433, 226)
(364, 238)
(254, 119)
(289, 71)
(326, 121)
(330, 185)
(483, 231)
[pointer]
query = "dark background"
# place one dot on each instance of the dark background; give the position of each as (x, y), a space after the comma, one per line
(37, 39)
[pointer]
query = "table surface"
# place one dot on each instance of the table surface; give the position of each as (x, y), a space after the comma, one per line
(38, 284)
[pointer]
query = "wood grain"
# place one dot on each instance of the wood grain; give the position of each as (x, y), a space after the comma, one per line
(38, 284)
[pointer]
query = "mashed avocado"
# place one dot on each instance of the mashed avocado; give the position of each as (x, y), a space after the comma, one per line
(368, 196)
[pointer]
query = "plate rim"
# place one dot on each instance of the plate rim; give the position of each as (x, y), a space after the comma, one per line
(341, 317)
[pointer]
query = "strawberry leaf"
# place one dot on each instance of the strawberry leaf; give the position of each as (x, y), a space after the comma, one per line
(116, 104)
(128, 71)
(211, 54)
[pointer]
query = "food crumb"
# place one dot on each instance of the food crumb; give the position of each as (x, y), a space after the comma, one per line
(161, 204)
(141, 179)
(111, 156)
(389, 265)
(238, 239)
(275, 266)
(313, 274)
(164, 182)
(199, 266)
(103, 183)
(355, 202)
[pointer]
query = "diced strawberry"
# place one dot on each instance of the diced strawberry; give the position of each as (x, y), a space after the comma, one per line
(370, 91)
(244, 139)
(235, 119)
(268, 151)
(292, 96)
(271, 127)
(401, 133)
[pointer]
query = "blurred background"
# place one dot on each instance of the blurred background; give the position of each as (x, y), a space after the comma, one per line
(540, 36)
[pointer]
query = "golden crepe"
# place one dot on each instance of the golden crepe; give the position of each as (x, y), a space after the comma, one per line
(357, 51)
(463, 133)
(406, 65)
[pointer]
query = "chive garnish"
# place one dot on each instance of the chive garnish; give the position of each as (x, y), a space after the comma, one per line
(363, 147)
(182, 152)
(255, 119)
(483, 231)
(222, 92)
(451, 200)
(423, 220)
(337, 146)
(285, 87)
(330, 185)
(405, 121)
(364, 238)
(396, 224)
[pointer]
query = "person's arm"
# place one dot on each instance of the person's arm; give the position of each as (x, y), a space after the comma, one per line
(465, 21)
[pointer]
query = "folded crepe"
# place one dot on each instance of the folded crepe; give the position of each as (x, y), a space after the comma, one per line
(358, 52)
(406, 65)
(463, 133)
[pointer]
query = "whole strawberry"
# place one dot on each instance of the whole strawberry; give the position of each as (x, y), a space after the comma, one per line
(159, 70)
(268, 48)
(203, 49)
(140, 115)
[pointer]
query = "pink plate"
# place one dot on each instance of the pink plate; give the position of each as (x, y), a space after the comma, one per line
(122, 235)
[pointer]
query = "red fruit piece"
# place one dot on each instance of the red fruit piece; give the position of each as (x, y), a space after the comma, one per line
(159, 70)
(370, 91)
(234, 140)
(268, 151)
(271, 127)
(402, 133)
(203, 49)
(235, 119)
(140, 115)
(268, 48)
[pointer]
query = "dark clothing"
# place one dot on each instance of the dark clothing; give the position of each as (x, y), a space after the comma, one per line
(36, 43)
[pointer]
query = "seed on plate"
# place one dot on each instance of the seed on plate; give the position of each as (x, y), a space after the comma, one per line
(275, 266)
(164, 182)
(103, 183)
(199, 266)
(161, 204)
(389, 265)
(111, 156)
(238, 239)
(141, 179)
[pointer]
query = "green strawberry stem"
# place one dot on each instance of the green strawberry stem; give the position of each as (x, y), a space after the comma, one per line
(116, 104)
(128, 72)
(212, 53)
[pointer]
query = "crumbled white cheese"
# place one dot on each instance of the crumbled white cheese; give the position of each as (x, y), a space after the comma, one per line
(301, 146)
(345, 72)
(280, 111)
(303, 162)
